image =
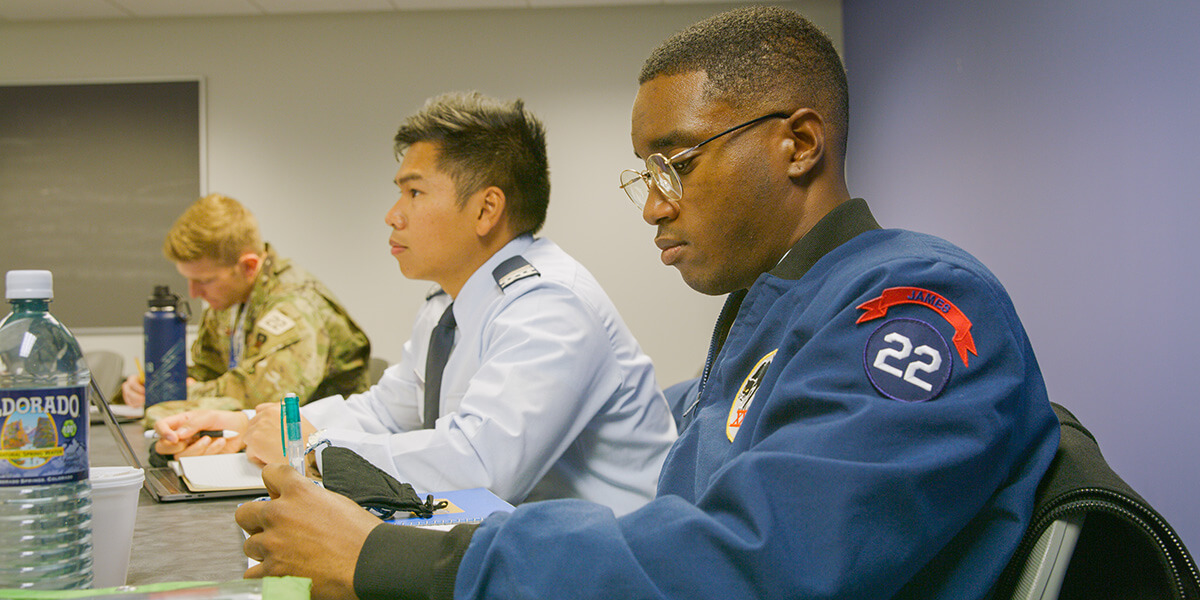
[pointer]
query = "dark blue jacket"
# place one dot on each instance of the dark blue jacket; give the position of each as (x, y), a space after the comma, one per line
(873, 424)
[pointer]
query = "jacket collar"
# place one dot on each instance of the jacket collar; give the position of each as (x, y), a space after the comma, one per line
(842, 224)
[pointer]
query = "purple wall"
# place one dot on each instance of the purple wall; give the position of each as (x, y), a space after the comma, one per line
(1058, 141)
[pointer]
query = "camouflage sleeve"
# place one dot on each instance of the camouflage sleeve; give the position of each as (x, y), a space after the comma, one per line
(286, 351)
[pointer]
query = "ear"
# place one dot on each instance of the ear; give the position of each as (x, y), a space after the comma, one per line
(248, 264)
(491, 205)
(806, 143)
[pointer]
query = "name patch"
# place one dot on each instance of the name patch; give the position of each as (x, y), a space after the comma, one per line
(878, 308)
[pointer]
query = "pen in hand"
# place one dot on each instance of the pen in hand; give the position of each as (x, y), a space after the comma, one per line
(293, 445)
(152, 434)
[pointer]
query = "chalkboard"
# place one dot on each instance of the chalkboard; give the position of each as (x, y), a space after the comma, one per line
(91, 177)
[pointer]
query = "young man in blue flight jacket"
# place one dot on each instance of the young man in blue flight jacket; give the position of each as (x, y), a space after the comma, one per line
(871, 423)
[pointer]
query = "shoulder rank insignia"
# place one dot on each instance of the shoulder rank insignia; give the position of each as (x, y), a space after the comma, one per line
(513, 270)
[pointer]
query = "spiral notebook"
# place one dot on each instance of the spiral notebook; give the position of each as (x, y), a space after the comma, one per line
(463, 506)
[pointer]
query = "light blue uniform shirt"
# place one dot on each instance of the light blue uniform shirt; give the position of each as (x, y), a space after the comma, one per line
(546, 394)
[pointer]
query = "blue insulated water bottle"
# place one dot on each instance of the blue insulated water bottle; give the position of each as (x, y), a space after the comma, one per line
(165, 327)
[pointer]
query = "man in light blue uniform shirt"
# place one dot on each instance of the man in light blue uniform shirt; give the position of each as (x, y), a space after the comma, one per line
(546, 394)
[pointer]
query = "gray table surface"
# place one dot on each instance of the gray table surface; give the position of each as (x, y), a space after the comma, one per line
(196, 540)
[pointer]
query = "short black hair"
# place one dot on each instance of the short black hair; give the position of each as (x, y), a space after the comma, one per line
(762, 58)
(484, 142)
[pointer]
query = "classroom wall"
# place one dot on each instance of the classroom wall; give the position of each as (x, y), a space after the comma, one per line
(1057, 141)
(301, 111)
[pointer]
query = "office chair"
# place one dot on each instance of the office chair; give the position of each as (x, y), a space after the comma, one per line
(1092, 536)
(376, 368)
(1042, 574)
(108, 369)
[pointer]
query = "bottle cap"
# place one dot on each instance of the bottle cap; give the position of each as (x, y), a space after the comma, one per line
(21, 285)
(163, 298)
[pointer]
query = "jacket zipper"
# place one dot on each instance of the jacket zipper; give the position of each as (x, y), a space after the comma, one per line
(712, 355)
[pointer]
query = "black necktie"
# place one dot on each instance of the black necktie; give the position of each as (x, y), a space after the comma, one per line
(440, 342)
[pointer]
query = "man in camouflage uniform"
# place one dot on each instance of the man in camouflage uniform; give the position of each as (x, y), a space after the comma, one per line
(269, 327)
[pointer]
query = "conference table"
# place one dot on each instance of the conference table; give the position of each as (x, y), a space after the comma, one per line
(195, 540)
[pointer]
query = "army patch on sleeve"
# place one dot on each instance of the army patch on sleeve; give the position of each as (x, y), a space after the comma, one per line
(275, 323)
(745, 395)
(908, 360)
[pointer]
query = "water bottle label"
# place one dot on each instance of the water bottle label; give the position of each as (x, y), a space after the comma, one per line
(43, 436)
(166, 358)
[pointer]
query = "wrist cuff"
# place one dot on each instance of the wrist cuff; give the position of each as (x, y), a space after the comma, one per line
(400, 561)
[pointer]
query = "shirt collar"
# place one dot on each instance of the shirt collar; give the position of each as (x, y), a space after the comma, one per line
(271, 266)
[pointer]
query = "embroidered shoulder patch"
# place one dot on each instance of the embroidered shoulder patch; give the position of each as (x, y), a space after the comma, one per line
(275, 323)
(878, 307)
(908, 360)
(745, 395)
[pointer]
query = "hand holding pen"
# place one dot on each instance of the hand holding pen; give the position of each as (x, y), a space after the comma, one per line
(192, 433)
(293, 439)
(264, 436)
(133, 389)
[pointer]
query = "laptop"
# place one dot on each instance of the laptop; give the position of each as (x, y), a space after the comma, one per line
(163, 483)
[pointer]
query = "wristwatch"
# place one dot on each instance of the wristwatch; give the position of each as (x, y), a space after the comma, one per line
(312, 456)
(316, 440)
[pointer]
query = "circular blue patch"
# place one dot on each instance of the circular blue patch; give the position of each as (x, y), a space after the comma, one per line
(908, 360)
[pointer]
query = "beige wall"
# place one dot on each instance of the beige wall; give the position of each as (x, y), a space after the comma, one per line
(301, 110)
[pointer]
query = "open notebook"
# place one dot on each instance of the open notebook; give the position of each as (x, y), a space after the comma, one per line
(220, 476)
(220, 472)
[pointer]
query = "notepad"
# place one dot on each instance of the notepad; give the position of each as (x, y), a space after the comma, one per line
(220, 472)
(465, 506)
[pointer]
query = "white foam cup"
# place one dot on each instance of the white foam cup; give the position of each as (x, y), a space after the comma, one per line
(114, 509)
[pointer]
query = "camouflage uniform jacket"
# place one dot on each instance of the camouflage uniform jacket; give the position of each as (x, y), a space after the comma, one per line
(299, 339)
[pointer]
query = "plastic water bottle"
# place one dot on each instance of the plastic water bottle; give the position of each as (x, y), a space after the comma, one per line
(45, 496)
(165, 327)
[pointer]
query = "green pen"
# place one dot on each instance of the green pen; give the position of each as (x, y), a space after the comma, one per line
(289, 424)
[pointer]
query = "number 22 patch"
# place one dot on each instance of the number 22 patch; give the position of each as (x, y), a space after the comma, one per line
(908, 360)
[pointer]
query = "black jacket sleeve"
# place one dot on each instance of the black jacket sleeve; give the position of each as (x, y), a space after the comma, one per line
(402, 562)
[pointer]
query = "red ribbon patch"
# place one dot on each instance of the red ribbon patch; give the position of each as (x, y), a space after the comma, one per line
(878, 307)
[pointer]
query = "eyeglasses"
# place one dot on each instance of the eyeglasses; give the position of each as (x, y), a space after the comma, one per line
(661, 171)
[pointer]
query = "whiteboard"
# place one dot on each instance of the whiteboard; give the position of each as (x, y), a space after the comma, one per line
(91, 177)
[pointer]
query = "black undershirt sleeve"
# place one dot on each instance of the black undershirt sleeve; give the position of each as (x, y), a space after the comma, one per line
(401, 562)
